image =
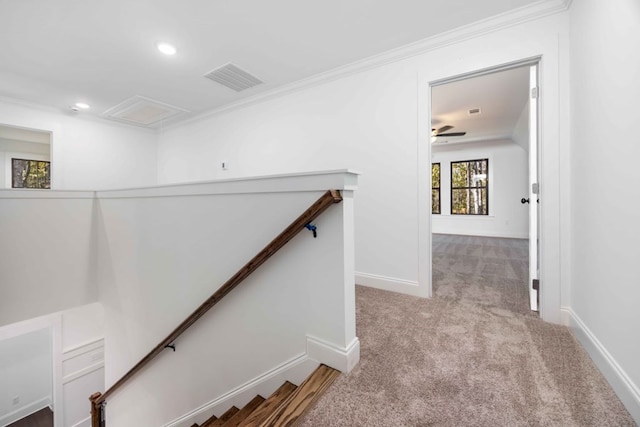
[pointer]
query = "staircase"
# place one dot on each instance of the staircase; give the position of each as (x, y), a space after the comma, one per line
(283, 408)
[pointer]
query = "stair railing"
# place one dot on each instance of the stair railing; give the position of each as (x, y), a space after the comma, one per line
(330, 197)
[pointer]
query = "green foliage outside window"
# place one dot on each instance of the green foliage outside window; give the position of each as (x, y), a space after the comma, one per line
(435, 188)
(30, 173)
(469, 187)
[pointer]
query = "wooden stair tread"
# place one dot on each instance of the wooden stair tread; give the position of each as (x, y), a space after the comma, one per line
(223, 419)
(243, 413)
(268, 406)
(302, 398)
(208, 422)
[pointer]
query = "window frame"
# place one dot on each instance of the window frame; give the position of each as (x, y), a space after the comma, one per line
(14, 159)
(469, 188)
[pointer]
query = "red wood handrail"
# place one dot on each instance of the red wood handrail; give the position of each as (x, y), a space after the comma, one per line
(327, 199)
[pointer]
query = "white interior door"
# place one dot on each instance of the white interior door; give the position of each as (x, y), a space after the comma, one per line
(533, 187)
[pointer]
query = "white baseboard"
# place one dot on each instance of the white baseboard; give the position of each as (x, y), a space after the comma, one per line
(25, 411)
(390, 284)
(627, 391)
(485, 234)
(295, 371)
(342, 359)
(565, 316)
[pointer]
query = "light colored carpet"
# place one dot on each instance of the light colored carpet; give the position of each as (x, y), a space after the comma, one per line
(455, 360)
(484, 270)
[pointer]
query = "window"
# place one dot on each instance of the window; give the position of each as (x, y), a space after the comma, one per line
(469, 187)
(30, 173)
(435, 188)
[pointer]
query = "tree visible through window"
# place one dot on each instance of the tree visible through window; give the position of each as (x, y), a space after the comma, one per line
(469, 187)
(435, 188)
(30, 173)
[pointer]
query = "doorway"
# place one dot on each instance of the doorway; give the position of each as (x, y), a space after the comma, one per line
(26, 374)
(484, 173)
(25, 158)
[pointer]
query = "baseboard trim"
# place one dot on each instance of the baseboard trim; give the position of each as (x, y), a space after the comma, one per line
(390, 284)
(342, 359)
(294, 370)
(25, 411)
(487, 234)
(624, 387)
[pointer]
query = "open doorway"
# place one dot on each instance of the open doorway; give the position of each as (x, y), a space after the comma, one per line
(483, 162)
(25, 158)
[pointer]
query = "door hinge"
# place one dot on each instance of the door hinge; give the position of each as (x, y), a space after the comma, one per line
(535, 188)
(534, 93)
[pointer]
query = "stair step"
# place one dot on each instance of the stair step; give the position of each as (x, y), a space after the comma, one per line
(223, 419)
(268, 406)
(303, 398)
(243, 413)
(209, 421)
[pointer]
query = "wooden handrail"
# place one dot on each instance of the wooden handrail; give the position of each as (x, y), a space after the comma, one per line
(328, 198)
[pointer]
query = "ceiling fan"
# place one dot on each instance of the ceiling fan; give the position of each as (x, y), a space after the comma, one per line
(442, 131)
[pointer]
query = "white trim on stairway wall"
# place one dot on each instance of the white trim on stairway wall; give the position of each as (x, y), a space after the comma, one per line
(295, 371)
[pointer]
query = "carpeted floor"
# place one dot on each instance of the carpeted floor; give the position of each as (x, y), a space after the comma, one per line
(471, 356)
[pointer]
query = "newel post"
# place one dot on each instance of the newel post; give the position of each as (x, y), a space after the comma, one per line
(96, 410)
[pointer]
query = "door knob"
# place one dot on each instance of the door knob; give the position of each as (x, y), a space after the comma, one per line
(523, 200)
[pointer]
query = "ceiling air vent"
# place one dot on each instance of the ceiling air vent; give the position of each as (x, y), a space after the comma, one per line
(474, 111)
(142, 111)
(233, 77)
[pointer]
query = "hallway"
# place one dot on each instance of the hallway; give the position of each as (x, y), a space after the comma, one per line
(473, 355)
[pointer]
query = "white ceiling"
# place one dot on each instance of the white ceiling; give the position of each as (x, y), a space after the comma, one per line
(59, 52)
(501, 97)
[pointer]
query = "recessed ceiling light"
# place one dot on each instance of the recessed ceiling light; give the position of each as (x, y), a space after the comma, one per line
(82, 105)
(166, 48)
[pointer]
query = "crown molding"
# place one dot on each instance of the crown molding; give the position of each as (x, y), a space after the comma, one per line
(89, 117)
(531, 12)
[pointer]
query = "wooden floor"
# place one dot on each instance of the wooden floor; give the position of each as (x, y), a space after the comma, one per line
(42, 418)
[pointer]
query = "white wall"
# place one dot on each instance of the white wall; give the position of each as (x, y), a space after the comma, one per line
(47, 261)
(164, 251)
(508, 177)
(370, 121)
(521, 131)
(89, 154)
(365, 122)
(605, 201)
(82, 361)
(25, 374)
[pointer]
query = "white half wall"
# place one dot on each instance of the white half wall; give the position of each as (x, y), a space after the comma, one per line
(605, 202)
(508, 183)
(47, 252)
(165, 250)
(88, 154)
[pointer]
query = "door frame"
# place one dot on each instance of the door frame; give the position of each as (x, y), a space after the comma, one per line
(549, 109)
